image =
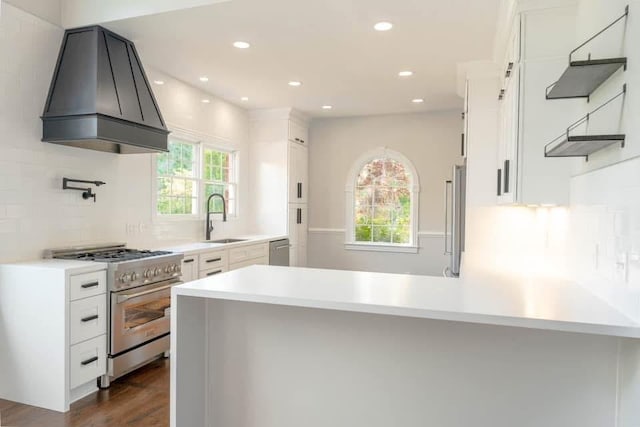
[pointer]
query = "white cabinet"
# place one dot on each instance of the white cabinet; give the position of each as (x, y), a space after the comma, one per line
(298, 132)
(53, 343)
(212, 272)
(509, 122)
(298, 232)
(190, 267)
(279, 175)
(213, 262)
(88, 361)
(87, 318)
(199, 264)
(298, 173)
(87, 285)
(247, 255)
(536, 53)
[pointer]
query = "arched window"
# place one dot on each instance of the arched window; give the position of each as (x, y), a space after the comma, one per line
(382, 203)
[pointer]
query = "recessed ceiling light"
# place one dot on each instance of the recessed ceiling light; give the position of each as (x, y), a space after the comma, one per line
(383, 26)
(405, 73)
(204, 79)
(244, 98)
(241, 45)
(295, 83)
(327, 107)
(417, 100)
(158, 82)
(205, 101)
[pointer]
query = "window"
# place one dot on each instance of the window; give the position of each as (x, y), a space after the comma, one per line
(382, 203)
(218, 178)
(188, 174)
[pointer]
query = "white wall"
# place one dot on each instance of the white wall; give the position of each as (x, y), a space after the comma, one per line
(34, 212)
(430, 140)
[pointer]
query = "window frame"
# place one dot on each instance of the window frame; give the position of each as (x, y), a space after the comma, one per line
(200, 142)
(350, 205)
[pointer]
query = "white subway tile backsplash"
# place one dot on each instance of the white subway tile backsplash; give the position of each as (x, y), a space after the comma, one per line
(605, 234)
(8, 226)
(16, 211)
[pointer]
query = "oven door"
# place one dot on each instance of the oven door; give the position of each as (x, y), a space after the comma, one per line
(139, 315)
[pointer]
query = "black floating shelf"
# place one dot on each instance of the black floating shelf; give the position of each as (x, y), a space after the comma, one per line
(581, 145)
(583, 77)
(567, 145)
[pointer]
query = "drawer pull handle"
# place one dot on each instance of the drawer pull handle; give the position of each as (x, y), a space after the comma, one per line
(90, 285)
(214, 260)
(186, 261)
(89, 318)
(214, 272)
(89, 361)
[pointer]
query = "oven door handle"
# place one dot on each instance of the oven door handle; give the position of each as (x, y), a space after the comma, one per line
(122, 298)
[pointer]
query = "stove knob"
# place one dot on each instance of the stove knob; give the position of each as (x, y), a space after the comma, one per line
(176, 268)
(157, 271)
(148, 274)
(125, 278)
(167, 269)
(134, 276)
(172, 268)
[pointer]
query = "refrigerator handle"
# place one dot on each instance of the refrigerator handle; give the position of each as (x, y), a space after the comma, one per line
(448, 185)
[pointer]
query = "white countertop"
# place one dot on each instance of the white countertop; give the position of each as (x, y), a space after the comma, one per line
(192, 247)
(60, 264)
(534, 303)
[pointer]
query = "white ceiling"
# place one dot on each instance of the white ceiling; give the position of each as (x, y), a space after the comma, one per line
(329, 45)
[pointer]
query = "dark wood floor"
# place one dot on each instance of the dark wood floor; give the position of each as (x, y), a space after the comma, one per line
(138, 399)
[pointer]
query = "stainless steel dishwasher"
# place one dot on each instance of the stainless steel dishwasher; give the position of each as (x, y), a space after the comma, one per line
(279, 252)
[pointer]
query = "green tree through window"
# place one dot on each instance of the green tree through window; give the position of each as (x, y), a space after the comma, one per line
(187, 171)
(176, 170)
(383, 203)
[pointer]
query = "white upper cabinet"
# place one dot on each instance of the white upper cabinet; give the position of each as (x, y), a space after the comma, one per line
(298, 132)
(536, 53)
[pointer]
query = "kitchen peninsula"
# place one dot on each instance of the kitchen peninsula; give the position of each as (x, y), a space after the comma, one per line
(276, 346)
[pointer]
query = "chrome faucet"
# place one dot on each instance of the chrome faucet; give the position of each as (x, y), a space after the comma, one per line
(209, 223)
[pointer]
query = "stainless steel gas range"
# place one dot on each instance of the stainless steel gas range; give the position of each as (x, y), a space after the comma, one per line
(139, 300)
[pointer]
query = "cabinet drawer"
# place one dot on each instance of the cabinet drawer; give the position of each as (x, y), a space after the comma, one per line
(87, 285)
(248, 252)
(212, 272)
(256, 261)
(87, 360)
(88, 318)
(211, 260)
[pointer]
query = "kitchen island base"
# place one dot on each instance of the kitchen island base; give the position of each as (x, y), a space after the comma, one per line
(248, 364)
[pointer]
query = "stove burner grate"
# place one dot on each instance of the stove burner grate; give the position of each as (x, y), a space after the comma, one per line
(115, 255)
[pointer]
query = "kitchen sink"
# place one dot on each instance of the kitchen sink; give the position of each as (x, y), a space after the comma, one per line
(226, 241)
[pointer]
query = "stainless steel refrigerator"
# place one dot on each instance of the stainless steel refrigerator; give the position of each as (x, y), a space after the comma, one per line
(454, 212)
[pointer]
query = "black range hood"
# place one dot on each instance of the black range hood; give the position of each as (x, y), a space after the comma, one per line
(100, 97)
